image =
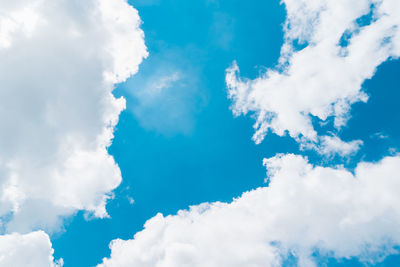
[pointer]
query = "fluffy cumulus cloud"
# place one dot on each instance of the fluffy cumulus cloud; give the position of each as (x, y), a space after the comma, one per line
(33, 249)
(305, 209)
(330, 49)
(60, 61)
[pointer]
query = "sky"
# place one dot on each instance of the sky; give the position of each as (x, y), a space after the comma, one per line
(199, 133)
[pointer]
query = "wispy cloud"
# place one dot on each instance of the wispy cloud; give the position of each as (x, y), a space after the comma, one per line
(165, 95)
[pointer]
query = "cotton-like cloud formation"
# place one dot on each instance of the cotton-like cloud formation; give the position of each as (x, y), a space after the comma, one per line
(59, 63)
(33, 249)
(304, 209)
(330, 49)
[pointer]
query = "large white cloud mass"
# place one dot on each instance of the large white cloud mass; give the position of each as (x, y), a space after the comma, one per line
(33, 249)
(330, 49)
(305, 209)
(59, 62)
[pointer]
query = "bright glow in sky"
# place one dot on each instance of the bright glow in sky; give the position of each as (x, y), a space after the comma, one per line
(173, 133)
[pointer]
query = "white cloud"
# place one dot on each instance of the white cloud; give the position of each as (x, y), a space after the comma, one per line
(325, 77)
(59, 63)
(333, 145)
(304, 209)
(33, 249)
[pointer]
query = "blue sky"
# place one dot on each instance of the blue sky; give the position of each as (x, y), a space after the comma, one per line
(203, 153)
(178, 143)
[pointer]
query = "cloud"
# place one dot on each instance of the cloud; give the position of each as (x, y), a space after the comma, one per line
(166, 93)
(333, 145)
(305, 209)
(60, 61)
(330, 49)
(33, 249)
